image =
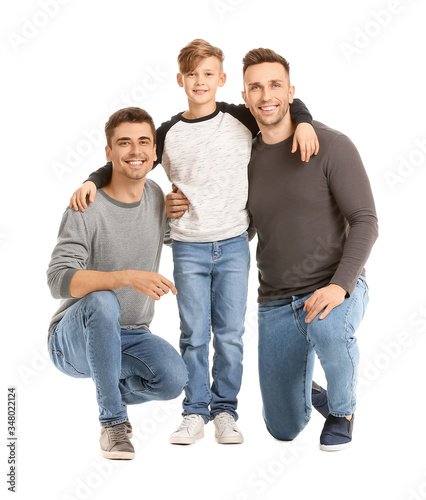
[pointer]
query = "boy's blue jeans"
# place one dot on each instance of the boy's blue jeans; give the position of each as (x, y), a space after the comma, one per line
(212, 282)
(287, 347)
(127, 366)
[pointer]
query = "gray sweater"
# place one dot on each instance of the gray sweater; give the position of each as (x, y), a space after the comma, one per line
(111, 236)
(316, 222)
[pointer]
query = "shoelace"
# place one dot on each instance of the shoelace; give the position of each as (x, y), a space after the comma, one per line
(188, 422)
(118, 433)
(226, 420)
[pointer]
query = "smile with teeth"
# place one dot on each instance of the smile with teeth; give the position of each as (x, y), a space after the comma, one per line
(269, 108)
(135, 163)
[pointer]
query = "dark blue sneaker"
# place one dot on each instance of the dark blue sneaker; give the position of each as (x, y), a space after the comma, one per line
(336, 434)
(319, 399)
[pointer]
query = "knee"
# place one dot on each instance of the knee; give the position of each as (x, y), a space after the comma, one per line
(286, 428)
(103, 303)
(174, 378)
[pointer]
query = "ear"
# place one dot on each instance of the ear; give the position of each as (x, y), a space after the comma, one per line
(243, 94)
(108, 153)
(291, 91)
(155, 152)
(222, 80)
(179, 80)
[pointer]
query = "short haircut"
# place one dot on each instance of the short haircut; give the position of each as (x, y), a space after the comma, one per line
(191, 55)
(128, 115)
(259, 56)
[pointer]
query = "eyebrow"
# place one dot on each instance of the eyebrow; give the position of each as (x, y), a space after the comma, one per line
(129, 138)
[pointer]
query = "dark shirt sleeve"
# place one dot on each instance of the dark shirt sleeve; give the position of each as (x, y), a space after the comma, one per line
(351, 189)
(299, 112)
(102, 176)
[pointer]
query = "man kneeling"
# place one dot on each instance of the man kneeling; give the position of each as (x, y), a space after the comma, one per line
(105, 267)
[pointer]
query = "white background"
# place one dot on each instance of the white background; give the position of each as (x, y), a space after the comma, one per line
(64, 73)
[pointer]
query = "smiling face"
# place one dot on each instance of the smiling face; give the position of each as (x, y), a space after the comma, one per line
(268, 93)
(201, 83)
(132, 150)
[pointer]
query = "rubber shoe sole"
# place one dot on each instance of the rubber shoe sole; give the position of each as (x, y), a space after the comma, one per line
(186, 439)
(230, 439)
(118, 455)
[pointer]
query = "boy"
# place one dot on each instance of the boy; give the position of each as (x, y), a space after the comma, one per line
(205, 152)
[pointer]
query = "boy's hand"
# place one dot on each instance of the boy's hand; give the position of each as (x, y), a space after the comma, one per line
(78, 200)
(176, 204)
(307, 139)
(324, 299)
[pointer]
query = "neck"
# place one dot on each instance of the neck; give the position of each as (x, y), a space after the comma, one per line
(199, 110)
(273, 134)
(125, 190)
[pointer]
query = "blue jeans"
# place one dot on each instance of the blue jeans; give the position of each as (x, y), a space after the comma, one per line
(127, 366)
(287, 347)
(212, 282)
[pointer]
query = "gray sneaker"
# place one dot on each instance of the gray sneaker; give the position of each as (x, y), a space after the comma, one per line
(190, 429)
(115, 443)
(128, 425)
(226, 430)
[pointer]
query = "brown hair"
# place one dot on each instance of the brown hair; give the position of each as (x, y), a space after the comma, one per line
(259, 56)
(190, 56)
(128, 115)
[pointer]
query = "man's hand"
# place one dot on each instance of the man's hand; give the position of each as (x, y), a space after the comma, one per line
(324, 299)
(176, 204)
(307, 139)
(78, 200)
(151, 284)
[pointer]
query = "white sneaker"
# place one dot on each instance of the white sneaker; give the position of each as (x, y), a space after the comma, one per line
(227, 431)
(190, 429)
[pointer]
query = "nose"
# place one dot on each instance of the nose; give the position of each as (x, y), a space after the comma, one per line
(199, 80)
(135, 148)
(266, 94)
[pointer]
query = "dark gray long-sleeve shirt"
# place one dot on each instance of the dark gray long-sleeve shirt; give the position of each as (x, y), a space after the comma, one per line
(111, 236)
(316, 222)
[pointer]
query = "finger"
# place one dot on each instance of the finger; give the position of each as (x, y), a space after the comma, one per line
(294, 147)
(176, 197)
(303, 152)
(327, 311)
(73, 203)
(174, 188)
(80, 204)
(315, 310)
(170, 285)
(176, 201)
(308, 152)
(92, 194)
(316, 146)
(178, 208)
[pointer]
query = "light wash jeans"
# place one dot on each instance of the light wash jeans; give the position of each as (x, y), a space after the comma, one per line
(127, 366)
(212, 282)
(287, 347)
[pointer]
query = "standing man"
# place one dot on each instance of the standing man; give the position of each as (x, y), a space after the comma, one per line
(105, 267)
(316, 224)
